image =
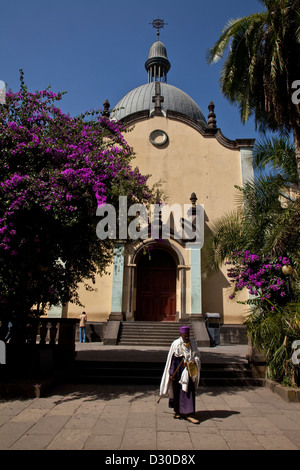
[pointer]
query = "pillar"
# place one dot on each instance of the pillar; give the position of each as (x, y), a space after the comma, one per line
(117, 287)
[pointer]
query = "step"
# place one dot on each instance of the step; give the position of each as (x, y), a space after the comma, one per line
(149, 333)
(112, 372)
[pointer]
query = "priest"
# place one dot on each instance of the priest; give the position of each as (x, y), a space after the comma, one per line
(181, 376)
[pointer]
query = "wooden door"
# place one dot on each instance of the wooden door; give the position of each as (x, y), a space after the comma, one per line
(156, 287)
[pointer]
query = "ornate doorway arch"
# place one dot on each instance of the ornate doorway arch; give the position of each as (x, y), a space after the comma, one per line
(156, 287)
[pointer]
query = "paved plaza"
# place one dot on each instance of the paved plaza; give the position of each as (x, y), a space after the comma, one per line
(115, 417)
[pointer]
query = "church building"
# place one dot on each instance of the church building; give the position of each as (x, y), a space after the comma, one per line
(160, 279)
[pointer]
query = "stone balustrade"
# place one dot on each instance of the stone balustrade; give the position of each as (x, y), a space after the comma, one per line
(52, 331)
(47, 346)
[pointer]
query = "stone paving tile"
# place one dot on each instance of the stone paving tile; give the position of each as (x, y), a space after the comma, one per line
(293, 436)
(32, 442)
(264, 408)
(141, 420)
(231, 422)
(139, 439)
(241, 440)
(212, 403)
(69, 439)
(165, 423)
(91, 407)
(11, 432)
(262, 425)
(276, 442)
(115, 412)
(284, 422)
(172, 440)
(81, 421)
(250, 411)
(45, 403)
(109, 427)
(3, 419)
(206, 417)
(49, 425)
(29, 415)
(64, 408)
(236, 402)
(258, 395)
(12, 408)
(103, 442)
(294, 415)
(143, 406)
(207, 438)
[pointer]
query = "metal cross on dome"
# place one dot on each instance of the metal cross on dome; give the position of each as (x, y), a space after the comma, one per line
(158, 24)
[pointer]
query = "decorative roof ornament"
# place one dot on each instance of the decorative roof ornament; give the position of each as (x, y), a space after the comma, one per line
(157, 64)
(158, 24)
(211, 123)
(106, 106)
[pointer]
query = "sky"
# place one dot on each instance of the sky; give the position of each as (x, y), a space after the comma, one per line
(96, 50)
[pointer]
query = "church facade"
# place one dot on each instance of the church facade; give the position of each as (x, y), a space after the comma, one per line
(157, 278)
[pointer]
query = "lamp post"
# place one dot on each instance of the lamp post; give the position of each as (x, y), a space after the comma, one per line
(287, 271)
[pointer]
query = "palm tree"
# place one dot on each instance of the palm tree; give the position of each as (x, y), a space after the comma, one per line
(266, 221)
(262, 65)
(276, 154)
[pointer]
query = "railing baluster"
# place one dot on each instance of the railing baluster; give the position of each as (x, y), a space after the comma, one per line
(53, 332)
(43, 332)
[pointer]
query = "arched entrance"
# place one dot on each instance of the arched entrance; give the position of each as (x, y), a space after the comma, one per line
(156, 287)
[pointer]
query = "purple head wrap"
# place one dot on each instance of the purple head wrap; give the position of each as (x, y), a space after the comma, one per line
(184, 329)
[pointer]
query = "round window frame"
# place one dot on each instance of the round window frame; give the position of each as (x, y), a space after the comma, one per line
(158, 144)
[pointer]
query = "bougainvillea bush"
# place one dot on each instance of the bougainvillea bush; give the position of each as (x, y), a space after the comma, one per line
(55, 171)
(261, 275)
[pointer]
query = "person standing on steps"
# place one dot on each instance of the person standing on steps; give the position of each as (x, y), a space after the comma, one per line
(82, 323)
(181, 376)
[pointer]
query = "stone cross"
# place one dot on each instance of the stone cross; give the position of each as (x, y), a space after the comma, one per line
(157, 100)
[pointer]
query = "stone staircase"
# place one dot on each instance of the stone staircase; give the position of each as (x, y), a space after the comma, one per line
(149, 333)
(220, 372)
(137, 373)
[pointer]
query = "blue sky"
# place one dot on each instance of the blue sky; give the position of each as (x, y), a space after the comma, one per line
(96, 50)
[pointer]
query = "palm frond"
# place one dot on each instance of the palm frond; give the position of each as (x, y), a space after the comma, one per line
(277, 153)
(227, 237)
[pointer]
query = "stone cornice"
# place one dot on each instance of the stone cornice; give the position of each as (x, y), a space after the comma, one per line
(206, 132)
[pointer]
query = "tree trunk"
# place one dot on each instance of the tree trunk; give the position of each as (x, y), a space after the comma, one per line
(296, 133)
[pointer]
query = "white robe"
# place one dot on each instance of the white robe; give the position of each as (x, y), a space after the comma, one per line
(179, 349)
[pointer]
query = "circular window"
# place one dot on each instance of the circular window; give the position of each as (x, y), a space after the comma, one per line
(158, 138)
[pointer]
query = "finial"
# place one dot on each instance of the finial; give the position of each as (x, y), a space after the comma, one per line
(158, 24)
(212, 123)
(106, 106)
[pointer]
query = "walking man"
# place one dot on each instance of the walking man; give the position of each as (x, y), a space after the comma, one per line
(82, 332)
(181, 376)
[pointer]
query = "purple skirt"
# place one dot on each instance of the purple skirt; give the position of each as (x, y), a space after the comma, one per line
(183, 402)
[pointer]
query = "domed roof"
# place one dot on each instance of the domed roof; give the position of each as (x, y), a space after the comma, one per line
(140, 99)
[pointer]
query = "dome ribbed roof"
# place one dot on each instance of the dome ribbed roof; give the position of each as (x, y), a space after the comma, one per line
(140, 99)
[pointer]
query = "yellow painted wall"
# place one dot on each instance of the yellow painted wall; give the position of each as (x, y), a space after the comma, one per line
(188, 163)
